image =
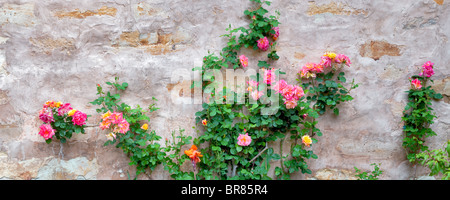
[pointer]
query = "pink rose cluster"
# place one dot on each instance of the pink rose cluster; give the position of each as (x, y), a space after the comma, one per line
(119, 124)
(427, 69)
(290, 93)
(327, 60)
(264, 44)
(269, 76)
(253, 90)
(52, 108)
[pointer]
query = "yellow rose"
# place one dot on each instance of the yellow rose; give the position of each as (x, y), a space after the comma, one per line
(71, 112)
(58, 104)
(106, 115)
(330, 55)
(145, 126)
(306, 140)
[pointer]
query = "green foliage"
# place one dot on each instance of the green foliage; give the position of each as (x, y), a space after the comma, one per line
(64, 127)
(174, 159)
(373, 175)
(417, 118)
(260, 27)
(327, 91)
(227, 121)
(437, 161)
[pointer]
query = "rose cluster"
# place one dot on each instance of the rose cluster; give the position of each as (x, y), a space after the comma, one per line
(116, 122)
(427, 71)
(290, 93)
(63, 112)
(327, 60)
(264, 44)
(253, 90)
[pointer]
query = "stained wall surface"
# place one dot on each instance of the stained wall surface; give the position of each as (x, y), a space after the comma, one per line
(60, 50)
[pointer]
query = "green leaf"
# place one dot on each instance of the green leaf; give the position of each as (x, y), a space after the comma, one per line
(263, 64)
(213, 113)
(77, 129)
(336, 111)
(438, 96)
(238, 148)
(331, 102)
(295, 117)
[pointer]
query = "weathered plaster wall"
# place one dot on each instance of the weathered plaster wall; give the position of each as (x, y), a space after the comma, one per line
(61, 49)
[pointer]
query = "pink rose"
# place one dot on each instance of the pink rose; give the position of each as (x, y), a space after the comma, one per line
(46, 117)
(298, 92)
(64, 109)
(263, 44)
(124, 126)
(427, 69)
(325, 61)
(252, 85)
(290, 103)
(318, 68)
(416, 83)
(46, 131)
(256, 94)
(277, 33)
(79, 118)
(244, 140)
(243, 60)
(343, 59)
(269, 76)
(279, 86)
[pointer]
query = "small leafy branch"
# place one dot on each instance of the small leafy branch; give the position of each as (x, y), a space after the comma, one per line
(373, 175)
(417, 115)
(130, 132)
(255, 36)
(438, 161)
(175, 159)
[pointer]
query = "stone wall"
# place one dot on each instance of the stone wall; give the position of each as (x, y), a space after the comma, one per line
(60, 50)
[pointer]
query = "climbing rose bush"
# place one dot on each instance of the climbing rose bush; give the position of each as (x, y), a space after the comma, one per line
(418, 114)
(60, 121)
